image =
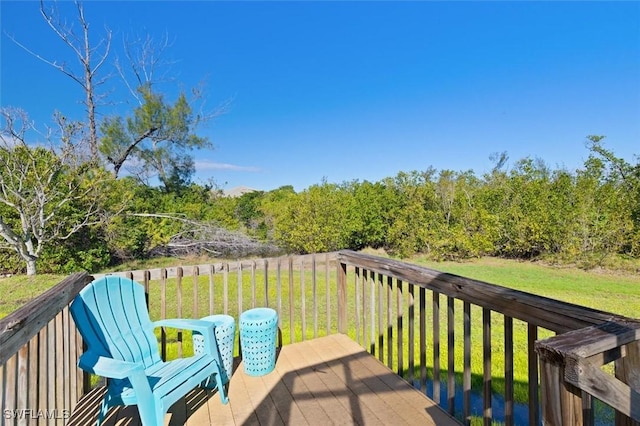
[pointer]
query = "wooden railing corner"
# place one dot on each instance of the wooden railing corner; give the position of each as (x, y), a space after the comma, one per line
(570, 366)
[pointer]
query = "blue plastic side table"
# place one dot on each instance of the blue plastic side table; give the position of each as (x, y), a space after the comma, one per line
(258, 330)
(224, 327)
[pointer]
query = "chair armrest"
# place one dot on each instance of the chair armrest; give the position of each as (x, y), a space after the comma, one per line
(185, 324)
(203, 327)
(108, 367)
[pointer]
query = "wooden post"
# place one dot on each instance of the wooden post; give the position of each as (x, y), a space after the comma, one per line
(292, 330)
(628, 371)
(561, 401)
(342, 297)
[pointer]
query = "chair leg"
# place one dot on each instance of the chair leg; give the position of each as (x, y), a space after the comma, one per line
(150, 413)
(159, 415)
(217, 384)
(221, 388)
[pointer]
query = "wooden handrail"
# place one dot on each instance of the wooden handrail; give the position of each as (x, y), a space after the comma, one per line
(231, 266)
(17, 328)
(551, 314)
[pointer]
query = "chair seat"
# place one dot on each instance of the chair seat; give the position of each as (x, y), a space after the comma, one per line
(166, 378)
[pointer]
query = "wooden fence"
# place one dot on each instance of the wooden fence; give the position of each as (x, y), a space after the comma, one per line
(415, 320)
(397, 305)
(39, 349)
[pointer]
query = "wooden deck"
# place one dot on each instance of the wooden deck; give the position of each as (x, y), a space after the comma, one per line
(330, 380)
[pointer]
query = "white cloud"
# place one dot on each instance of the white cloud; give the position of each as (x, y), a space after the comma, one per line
(210, 165)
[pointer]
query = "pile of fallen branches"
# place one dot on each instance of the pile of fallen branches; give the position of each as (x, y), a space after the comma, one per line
(206, 238)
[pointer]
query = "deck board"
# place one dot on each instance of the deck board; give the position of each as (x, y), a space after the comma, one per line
(329, 380)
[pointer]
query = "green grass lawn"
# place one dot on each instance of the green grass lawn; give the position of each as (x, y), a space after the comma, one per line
(609, 291)
(17, 290)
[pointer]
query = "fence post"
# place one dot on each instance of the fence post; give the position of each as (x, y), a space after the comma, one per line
(628, 371)
(342, 297)
(561, 401)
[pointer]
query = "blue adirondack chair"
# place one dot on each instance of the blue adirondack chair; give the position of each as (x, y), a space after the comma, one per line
(112, 317)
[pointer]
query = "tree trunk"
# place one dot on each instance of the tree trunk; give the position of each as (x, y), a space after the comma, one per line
(31, 267)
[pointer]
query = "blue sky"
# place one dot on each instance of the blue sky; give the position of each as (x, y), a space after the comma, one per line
(362, 90)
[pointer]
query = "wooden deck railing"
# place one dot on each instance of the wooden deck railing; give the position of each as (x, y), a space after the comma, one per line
(39, 350)
(397, 305)
(416, 320)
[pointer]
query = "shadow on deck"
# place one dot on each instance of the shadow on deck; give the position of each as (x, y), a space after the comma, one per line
(330, 380)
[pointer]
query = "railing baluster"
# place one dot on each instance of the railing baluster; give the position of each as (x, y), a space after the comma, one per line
(253, 284)
(423, 340)
(372, 313)
(365, 282)
(34, 375)
(389, 323)
(466, 375)
(225, 288)
(508, 371)
(486, 356)
(400, 315)
(451, 341)
(145, 283)
(163, 313)
(436, 347)
(10, 384)
(534, 404)
(239, 280)
(381, 334)
(66, 353)
(84, 378)
(588, 415)
(314, 284)
(3, 385)
(42, 368)
(328, 287)
(179, 273)
(412, 334)
(51, 367)
(303, 301)
(291, 303)
(358, 300)
(23, 384)
(279, 290)
(212, 305)
(196, 274)
(266, 283)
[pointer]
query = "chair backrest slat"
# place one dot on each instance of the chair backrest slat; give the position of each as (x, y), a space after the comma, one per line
(112, 316)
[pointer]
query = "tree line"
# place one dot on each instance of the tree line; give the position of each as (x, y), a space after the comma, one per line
(77, 196)
(526, 211)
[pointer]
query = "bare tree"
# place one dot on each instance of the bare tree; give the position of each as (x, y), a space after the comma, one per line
(158, 146)
(46, 196)
(91, 58)
(145, 63)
